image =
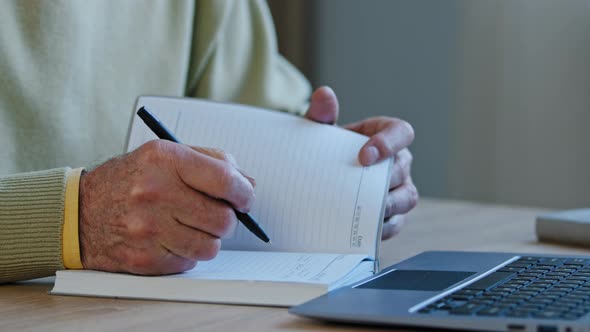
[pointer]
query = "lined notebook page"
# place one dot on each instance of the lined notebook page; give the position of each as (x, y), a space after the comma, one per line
(233, 277)
(312, 195)
(274, 266)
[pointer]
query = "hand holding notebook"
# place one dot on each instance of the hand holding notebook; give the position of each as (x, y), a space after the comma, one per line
(322, 209)
(103, 217)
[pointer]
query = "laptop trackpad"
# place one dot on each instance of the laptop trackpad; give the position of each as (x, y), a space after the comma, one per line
(419, 280)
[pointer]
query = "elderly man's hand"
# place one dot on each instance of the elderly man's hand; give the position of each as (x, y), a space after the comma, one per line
(388, 137)
(160, 208)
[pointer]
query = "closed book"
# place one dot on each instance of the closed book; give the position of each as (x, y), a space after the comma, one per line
(567, 227)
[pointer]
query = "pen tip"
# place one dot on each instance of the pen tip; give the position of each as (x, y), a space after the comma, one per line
(269, 242)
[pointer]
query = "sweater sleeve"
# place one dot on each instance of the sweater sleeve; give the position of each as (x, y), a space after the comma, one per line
(235, 58)
(31, 219)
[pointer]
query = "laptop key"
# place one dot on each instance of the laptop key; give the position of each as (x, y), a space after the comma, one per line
(579, 295)
(492, 311)
(577, 261)
(439, 304)
(524, 265)
(572, 282)
(557, 274)
(528, 259)
(544, 302)
(580, 311)
(552, 261)
(570, 316)
(468, 292)
(529, 307)
(531, 288)
(511, 269)
(547, 314)
(467, 309)
(461, 297)
(578, 277)
(490, 281)
(517, 297)
(505, 305)
(517, 313)
(453, 304)
(522, 278)
(525, 292)
(546, 298)
(541, 284)
(539, 269)
(517, 282)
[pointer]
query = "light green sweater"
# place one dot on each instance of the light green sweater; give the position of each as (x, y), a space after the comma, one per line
(70, 72)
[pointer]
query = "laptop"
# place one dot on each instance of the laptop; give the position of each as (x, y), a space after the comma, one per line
(467, 291)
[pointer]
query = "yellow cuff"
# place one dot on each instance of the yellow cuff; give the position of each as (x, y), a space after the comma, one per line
(70, 239)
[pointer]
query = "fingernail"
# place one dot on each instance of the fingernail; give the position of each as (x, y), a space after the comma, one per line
(251, 179)
(372, 155)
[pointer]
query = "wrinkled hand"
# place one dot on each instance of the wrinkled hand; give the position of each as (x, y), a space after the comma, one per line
(388, 137)
(153, 211)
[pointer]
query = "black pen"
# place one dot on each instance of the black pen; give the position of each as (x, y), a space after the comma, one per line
(158, 128)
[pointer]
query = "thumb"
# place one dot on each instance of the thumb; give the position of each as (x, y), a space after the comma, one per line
(324, 106)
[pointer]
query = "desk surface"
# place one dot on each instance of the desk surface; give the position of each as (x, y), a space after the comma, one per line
(434, 225)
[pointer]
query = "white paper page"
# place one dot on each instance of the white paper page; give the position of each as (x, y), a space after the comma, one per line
(274, 266)
(312, 194)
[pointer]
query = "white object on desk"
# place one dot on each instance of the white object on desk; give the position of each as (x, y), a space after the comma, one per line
(568, 226)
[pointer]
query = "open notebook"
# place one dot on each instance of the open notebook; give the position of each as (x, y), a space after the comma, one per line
(320, 207)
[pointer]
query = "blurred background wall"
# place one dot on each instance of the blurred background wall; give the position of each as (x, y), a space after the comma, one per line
(498, 92)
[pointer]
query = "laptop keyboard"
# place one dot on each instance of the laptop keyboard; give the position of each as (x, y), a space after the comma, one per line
(530, 287)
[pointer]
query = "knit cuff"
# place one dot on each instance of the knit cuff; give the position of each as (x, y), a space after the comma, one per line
(31, 219)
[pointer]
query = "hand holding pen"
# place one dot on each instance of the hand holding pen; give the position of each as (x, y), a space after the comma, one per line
(162, 132)
(159, 209)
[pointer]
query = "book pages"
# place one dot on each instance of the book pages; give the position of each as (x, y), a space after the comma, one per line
(312, 195)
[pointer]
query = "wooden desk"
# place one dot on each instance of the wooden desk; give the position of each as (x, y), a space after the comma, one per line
(434, 225)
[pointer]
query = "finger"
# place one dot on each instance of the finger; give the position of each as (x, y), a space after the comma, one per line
(224, 156)
(173, 263)
(393, 227)
(189, 243)
(387, 137)
(401, 168)
(401, 200)
(203, 213)
(324, 106)
(214, 177)
(216, 153)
